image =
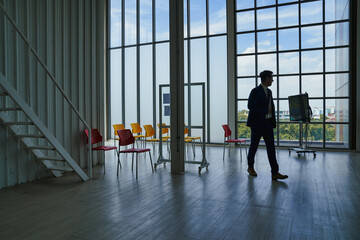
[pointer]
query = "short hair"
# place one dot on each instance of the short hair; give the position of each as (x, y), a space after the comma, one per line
(264, 74)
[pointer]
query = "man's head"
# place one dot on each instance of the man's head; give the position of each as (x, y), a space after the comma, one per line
(266, 77)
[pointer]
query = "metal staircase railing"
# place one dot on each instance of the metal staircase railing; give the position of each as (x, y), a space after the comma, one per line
(21, 105)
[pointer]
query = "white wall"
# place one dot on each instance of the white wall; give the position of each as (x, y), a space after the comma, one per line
(69, 37)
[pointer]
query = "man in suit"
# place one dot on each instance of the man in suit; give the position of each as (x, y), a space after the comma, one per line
(262, 120)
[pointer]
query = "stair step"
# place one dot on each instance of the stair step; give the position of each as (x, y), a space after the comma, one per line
(30, 136)
(41, 147)
(59, 168)
(18, 123)
(51, 158)
(10, 109)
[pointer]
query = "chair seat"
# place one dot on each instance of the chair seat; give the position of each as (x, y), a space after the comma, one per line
(135, 150)
(187, 140)
(104, 148)
(138, 136)
(236, 140)
(193, 138)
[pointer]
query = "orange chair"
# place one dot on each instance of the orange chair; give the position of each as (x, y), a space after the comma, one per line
(165, 130)
(150, 135)
(228, 140)
(116, 128)
(126, 138)
(136, 129)
(97, 138)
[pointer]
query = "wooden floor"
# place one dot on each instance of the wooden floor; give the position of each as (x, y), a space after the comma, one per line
(320, 200)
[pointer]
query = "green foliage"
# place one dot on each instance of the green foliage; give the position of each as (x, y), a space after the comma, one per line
(289, 131)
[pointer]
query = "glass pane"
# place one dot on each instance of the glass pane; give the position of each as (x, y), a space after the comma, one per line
(337, 85)
(288, 15)
(260, 3)
(198, 60)
(311, 12)
(162, 70)
(145, 21)
(288, 63)
(286, 1)
(273, 88)
(244, 86)
(311, 37)
(283, 111)
(197, 18)
(130, 86)
(115, 23)
(243, 111)
(217, 16)
(185, 19)
(337, 34)
(267, 62)
(146, 85)
(266, 41)
(315, 135)
(244, 131)
(336, 10)
(130, 22)
(245, 21)
(312, 61)
(162, 20)
(196, 106)
(313, 85)
(289, 39)
(288, 86)
(337, 135)
(218, 87)
(266, 18)
(289, 134)
(186, 72)
(246, 66)
(317, 108)
(245, 43)
(337, 59)
(115, 87)
(243, 4)
(337, 110)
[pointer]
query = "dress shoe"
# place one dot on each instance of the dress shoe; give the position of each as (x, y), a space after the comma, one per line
(252, 172)
(279, 176)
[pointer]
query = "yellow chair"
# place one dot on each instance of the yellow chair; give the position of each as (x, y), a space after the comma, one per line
(192, 139)
(136, 129)
(165, 130)
(116, 128)
(150, 135)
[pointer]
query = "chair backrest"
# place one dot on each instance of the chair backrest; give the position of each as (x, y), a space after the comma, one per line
(149, 131)
(186, 130)
(95, 136)
(136, 128)
(227, 130)
(126, 137)
(164, 129)
(118, 127)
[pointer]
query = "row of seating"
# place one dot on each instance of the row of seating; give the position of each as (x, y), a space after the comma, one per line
(126, 137)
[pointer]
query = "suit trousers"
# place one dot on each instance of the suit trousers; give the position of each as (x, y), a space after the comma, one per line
(266, 131)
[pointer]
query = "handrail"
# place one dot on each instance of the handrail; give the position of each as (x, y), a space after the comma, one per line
(54, 81)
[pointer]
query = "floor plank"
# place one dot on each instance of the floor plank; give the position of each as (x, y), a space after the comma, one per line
(319, 200)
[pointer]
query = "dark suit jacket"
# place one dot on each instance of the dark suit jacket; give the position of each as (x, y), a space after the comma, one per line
(258, 107)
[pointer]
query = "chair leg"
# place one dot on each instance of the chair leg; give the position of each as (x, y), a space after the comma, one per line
(118, 164)
(241, 152)
(137, 165)
(151, 162)
(132, 161)
(104, 161)
(224, 152)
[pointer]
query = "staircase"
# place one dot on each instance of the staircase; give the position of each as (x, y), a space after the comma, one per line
(51, 154)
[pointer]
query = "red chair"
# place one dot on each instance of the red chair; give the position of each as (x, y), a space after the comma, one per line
(127, 138)
(228, 140)
(97, 138)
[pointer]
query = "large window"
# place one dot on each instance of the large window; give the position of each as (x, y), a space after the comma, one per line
(306, 45)
(139, 62)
